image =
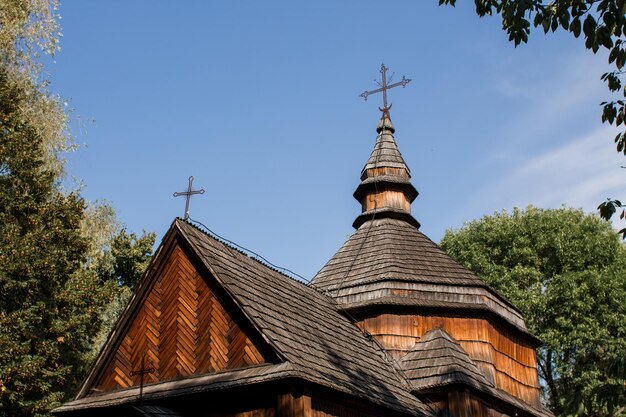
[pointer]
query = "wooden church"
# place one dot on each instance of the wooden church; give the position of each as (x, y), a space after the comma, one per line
(390, 326)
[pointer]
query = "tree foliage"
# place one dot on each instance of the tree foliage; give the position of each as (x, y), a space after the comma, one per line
(127, 258)
(602, 25)
(40, 249)
(55, 298)
(566, 271)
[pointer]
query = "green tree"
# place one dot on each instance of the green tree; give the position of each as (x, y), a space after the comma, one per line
(55, 299)
(127, 258)
(566, 271)
(602, 25)
(41, 247)
(115, 261)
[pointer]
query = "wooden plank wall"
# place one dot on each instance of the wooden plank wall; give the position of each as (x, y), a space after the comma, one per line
(479, 408)
(464, 404)
(182, 328)
(503, 357)
(269, 412)
(386, 198)
(376, 172)
(333, 408)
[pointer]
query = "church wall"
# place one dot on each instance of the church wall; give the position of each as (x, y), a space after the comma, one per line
(262, 412)
(182, 328)
(298, 401)
(504, 358)
(463, 403)
(334, 407)
(323, 408)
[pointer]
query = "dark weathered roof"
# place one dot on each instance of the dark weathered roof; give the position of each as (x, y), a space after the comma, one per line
(390, 260)
(437, 359)
(391, 249)
(192, 385)
(304, 326)
(386, 152)
(385, 213)
(312, 339)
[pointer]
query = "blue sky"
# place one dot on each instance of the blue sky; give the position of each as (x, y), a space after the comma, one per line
(259, 102)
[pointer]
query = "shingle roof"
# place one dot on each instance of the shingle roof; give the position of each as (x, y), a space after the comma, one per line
(437, 359)
(390, 249)
(304, 326)
(391, 261)
(191, 385)
(386, 152)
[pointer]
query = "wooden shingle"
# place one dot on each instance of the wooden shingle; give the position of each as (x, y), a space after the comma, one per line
(303, 325)
(438, 360)
(390, 261)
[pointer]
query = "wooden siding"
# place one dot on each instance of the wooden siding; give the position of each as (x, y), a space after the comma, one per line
(293, 405)
(386, 198)
(268, 412)
(502, 357)
(182, 328)
(466, 404)
(377, 172)
(336, 408)
(433, 294)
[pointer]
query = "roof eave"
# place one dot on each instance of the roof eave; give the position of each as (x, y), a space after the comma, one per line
(385, 213)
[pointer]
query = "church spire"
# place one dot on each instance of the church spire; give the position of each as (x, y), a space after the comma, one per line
(385, 189)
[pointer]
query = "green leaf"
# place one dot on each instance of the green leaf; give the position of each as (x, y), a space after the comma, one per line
(575, 27)
(566, 271)
(620, 140)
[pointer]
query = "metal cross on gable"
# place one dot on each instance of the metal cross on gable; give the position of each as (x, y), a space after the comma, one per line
(190, 191)
(384, 86)
(141, 372)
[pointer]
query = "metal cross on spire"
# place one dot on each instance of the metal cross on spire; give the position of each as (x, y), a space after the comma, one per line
(384, 86)
(188, 195)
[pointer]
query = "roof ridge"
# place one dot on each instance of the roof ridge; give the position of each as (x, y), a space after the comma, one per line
(316, 323)
(229, 244)
(308, 284)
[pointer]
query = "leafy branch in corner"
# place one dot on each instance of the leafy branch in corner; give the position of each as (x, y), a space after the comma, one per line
(602, 24)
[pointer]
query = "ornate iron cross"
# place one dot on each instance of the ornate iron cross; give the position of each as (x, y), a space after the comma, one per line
(384, 86)
(188, 195)
(141, 372)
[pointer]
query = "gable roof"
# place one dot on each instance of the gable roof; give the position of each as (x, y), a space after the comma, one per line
(304, 326)
(314, 342)
(437, 359)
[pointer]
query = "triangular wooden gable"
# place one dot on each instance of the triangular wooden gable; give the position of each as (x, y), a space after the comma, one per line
(181, 326)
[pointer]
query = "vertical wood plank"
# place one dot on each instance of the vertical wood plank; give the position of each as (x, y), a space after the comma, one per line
(501, 355)
(285, 406)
